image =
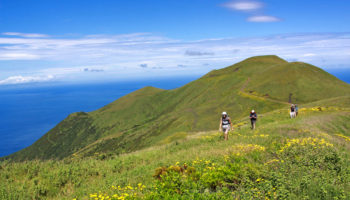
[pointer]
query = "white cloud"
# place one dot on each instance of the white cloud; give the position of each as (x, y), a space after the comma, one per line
(244, 5)
(263, 18)
(25, 79)
(197, 53)
(309, 55)
(18, 56)
(120, 56)
(27, 35)
(251, 7)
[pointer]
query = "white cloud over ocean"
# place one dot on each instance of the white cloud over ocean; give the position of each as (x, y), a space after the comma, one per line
(27, 35)
(25, 79)
(145, 54)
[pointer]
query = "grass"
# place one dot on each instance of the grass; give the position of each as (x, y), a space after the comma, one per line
(163, 144)
(152, 116)
(78, 177)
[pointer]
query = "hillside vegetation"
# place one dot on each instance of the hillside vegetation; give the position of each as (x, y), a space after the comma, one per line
(302, 158)
(152, 116)
(164, 144)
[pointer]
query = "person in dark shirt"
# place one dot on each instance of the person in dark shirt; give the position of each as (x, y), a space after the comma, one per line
(253, 117)
(296, 110)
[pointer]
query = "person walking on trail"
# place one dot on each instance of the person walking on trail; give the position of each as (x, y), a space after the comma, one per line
(225, 124)
(292, 111)
(296, 110)
(253, 117)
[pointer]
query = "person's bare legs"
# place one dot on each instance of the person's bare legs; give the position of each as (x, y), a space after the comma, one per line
(226, 134)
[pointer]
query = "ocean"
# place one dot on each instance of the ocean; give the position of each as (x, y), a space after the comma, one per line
(27, 113)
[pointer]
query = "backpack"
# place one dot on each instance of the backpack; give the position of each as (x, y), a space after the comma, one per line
(254, 115)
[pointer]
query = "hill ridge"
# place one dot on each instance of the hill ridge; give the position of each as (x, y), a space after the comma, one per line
(149, 115)
(271, 161)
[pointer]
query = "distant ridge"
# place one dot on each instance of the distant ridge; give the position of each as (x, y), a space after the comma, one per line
(152, 116)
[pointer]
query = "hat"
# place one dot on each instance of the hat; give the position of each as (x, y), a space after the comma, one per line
(253, 111)
(224, 113)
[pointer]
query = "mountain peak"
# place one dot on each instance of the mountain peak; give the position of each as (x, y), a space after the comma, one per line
(249, 66)
(150, 115)
(266, 59)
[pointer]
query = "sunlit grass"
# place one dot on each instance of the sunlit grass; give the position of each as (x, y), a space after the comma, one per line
(78, 178)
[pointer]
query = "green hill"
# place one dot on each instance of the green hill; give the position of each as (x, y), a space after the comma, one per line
(152, 116)
(163, 144)
(303, 158)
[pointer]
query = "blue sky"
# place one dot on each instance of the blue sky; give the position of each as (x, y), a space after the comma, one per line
(90, 40)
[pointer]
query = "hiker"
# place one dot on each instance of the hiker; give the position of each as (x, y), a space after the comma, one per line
(296, 110)
(225, 124)
(292, 111)
(253, 117)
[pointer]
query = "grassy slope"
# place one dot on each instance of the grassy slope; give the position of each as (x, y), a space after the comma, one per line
(152, 116)
(302, 80)
(76, 177)
(78, 130)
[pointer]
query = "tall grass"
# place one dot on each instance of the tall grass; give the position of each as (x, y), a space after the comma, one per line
(77, 177)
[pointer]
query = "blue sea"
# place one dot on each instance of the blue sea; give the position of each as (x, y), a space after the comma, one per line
(27, 113)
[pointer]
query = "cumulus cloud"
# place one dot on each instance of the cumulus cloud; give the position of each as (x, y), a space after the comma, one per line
(244, 5)
(27, 35)
(263, 18)
(25, 79)
(198, 53)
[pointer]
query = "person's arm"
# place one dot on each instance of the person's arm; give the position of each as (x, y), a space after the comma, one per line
(231, 125)
(220, 126)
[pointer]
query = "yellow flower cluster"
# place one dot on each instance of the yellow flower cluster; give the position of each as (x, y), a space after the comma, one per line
(246, 148)
(317, 143)
(100, 196)
(253, 96)
(197, 161)
(208, 136)
(217, 134)
(122, 193)
(208, 163)
(331, 108)
(318, 134)
(239, 124)
(343, 136)
(200, 161)
(140, 187)
(258, 135)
